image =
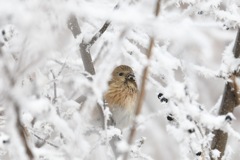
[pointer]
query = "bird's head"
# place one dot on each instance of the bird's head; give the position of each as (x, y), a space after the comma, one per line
(123, 74)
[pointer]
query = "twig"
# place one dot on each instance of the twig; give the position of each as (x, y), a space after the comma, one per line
(99, 33)
(84, 49)
(86, 57)
(21, 132)
(19, 126)
(73, 25)
(142, 89)
(63, 66)
(85, 46)
(46, 141)
(54, 88)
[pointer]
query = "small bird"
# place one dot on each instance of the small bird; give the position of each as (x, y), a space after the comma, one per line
(121, 95)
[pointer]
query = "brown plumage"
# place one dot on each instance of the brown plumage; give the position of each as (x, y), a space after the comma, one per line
(121, 95)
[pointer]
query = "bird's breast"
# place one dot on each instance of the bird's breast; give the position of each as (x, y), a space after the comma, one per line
(124, 97)
(121, 98)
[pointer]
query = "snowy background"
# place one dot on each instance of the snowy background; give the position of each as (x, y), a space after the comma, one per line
(42, 74)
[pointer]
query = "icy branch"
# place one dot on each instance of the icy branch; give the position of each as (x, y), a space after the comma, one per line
(83, 47)
(229, 101)
(142, 88)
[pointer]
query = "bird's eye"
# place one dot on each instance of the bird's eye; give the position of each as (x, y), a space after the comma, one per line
(120, 74)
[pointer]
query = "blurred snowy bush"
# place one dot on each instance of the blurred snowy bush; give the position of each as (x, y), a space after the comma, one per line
(42, 74)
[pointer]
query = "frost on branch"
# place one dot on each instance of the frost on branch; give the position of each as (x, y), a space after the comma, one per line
(43, 72)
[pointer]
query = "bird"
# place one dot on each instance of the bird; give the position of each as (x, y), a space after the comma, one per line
(121, 96)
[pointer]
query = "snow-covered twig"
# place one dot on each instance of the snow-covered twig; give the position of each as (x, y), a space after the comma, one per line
(86, 57)
(142, 88)
(20, 129)
(54, 88)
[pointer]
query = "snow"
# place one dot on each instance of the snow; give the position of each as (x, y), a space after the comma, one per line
(42, 74)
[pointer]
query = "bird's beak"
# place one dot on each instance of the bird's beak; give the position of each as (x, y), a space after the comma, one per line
(130, 76)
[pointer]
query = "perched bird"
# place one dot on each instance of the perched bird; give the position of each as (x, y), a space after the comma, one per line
(121, 95)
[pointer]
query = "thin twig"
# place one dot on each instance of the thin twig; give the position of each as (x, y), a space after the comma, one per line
(85, 46)
(21, 132)
(46, 141)
(142, 89)
(54, 88)
(63, 66)
(19, 126)
(140, 99)
(99, 33)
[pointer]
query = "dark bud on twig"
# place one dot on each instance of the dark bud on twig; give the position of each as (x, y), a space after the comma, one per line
(191, 130)
(200, 12)
(140, 142)
(6, 141)
(170, 117)
(199, 153)
(160, 95)
(161, 98)
(225, 27)
(228, 118)
(164, 100)
(4, 35)
(189, 118)
(200, 108)
(3, 32)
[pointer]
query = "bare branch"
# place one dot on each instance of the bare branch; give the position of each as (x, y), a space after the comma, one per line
(73, 26)
(20, 130)
(86, 58)
(101, 31)
(99, 34)
(158, 7)
(229, 102)
(54, 88)
(142, 88)
(44, 140)
(236, 48)
(85, 46)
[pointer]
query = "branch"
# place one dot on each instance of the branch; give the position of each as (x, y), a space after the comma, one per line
(229, 102)
(142, 89)
(45, 140)
(99, 33)
(54, 88)
(83, 47)
(20, 130)
(73, 26)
